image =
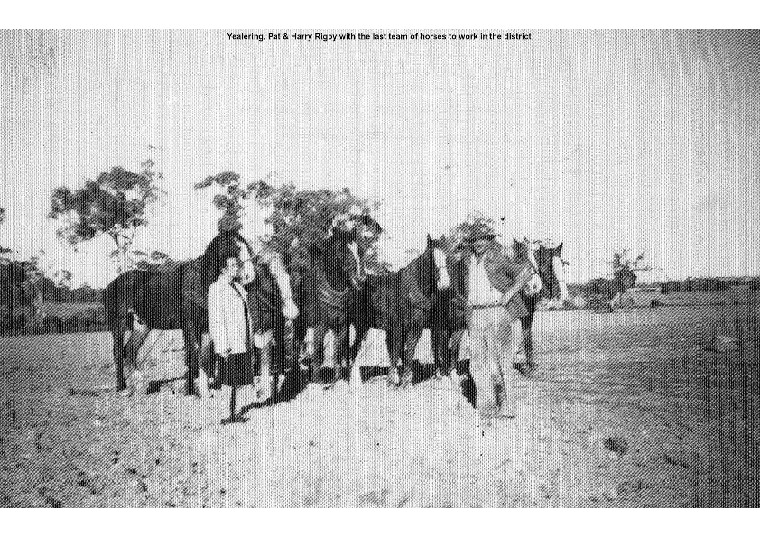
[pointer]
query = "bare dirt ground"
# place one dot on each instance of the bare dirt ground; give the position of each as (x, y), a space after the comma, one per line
(632, 408)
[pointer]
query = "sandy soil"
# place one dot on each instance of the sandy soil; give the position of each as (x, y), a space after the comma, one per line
(681, 419)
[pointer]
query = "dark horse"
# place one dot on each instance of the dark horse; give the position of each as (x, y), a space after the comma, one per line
(403, 303)
(450, 323)
(175, 297)
(548, 262)
(325, 294)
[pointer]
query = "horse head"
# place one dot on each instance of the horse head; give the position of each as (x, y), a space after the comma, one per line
(339, 257)
(435, 264)
(548, 264)
(226, 245)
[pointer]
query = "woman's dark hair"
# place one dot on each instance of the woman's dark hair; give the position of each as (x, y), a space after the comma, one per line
(222, 247)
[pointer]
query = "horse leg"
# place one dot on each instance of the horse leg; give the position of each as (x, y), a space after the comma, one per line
(318, 358)
(448, 350)
(205, 356)
(342, 351)
(437, 360)
(361, 333)
(205, 365)
(395, 341)
(293, 373)
(268, 382)
(192, 351)
(440, 348)
(412, 336)
(118, 357)
(290, 356)
(303, 345)
(330, 353)
(339, 356)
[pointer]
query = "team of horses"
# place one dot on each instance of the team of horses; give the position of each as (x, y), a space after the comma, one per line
(293, 308)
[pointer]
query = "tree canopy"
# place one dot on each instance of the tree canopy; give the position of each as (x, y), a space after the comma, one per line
(624, 269)
(298, 218)
(230, 201)
(301, 218)
(113, 204)
(621, 261)
(475, 224)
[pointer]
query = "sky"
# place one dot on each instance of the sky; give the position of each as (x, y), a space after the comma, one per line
(601, 140)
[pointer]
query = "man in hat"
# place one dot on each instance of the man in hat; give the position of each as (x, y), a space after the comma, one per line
(494, 280)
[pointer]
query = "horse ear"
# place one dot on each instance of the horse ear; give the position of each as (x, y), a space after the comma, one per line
(558, 250)
(429, 239)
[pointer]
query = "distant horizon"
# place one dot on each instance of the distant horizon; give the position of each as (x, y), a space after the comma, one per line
(644, 277)
(600, 140)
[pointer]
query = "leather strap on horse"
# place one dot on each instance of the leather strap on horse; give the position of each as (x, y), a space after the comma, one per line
(417, 297)
(330, 297)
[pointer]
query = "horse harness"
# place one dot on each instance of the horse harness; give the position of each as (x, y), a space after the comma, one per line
(332, 298)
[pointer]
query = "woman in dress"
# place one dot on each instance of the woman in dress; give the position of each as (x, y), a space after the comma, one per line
(230, 332)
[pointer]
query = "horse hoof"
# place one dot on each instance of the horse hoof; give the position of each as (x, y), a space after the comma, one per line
(201, 386)
(393, 378)
(190, 389)
(137, 385)
(407, 378)
(325, 375)
(262, 398)
(455, 380)
(239, 418)
(355, 378)
(215, 384)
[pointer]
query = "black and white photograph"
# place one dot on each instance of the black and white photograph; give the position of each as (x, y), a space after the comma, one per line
(293, 268)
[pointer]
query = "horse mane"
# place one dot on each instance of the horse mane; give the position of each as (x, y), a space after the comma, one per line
(319, 263)
(415, 268)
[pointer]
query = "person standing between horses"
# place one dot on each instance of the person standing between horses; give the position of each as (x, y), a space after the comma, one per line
(229, 327)
(494, 302)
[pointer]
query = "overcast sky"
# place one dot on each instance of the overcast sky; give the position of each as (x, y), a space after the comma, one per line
(600, 140)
